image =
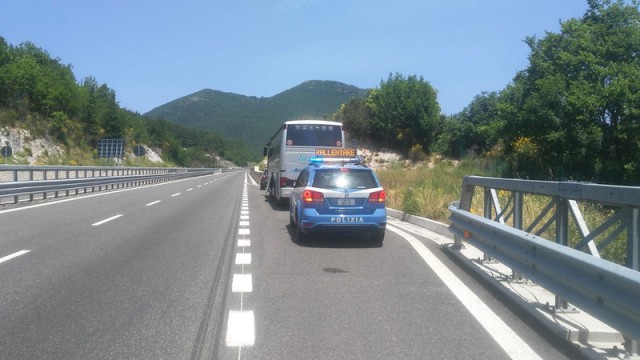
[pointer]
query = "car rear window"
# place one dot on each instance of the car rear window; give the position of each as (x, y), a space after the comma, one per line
(344, 178)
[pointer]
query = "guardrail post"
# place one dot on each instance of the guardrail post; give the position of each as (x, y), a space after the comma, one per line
(633, 240)
(44, 177)
(487, 214)
(633, 262)
(56, 176)
(518, 221)
(30, 179)
(15, 178)
(562, 238)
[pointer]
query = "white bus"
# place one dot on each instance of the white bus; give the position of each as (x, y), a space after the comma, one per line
(292, 146)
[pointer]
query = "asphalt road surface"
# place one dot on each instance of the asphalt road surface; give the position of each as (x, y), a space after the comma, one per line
(208, 268)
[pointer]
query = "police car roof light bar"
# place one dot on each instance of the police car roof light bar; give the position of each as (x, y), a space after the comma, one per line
(317, 160)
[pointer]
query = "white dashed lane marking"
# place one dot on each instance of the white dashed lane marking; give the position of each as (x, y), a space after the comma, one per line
(241, 329)
(14, 255)
(241, 323)
(106, 220)
(243, 258)
(242, 283)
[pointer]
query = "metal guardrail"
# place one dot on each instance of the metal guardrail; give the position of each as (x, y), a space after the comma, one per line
(608, 291)
(28, 183)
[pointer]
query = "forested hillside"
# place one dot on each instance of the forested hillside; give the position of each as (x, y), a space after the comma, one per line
(253, 120)
(41, 95)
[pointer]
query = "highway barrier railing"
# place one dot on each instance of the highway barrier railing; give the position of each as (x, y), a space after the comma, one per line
(28, 183)
(570, 265)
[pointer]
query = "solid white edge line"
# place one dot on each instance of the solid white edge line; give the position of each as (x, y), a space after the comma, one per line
(14, 255)
(506, 338)
(105, 220)
(83, 197)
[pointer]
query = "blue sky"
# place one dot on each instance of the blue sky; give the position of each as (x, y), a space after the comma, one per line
(154, 51)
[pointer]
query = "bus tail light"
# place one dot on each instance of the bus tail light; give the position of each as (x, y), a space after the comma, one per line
(378, 196)
(284, 182)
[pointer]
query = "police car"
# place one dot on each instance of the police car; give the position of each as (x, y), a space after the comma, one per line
(338, 194)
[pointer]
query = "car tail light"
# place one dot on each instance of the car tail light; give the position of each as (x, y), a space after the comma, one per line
(310, 196)
(378, 196)
(283, 181)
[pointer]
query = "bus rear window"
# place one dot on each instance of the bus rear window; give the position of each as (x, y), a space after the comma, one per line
(314, 135)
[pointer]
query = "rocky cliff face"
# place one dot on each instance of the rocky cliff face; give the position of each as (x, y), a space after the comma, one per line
(28, 150)
(25, 148)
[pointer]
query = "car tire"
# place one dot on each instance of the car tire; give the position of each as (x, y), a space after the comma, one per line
(378, 237)
(300, 236)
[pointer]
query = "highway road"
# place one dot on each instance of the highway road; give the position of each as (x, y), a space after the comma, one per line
(208, 268)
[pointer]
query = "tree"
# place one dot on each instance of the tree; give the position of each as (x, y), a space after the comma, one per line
(404, 113)
(476, 128)
(355, 116)
(578, 101)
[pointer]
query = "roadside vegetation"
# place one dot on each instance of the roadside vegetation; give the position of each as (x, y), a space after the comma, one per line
(427, 188)
(572, 114)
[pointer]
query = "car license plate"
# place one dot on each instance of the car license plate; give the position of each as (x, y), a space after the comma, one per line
(346, 202)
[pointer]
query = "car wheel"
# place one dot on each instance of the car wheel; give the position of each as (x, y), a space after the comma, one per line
(299, 234)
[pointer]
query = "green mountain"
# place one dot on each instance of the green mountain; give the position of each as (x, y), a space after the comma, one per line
(253, 120)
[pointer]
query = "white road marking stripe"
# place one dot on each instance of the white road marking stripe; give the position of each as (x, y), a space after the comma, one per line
(244, 243)
(189, 189)
(240, 329)
(153, 203)
(176, 194)
(105, 220)
(244, 223)
(242, 283)
(243, 258)
(14, 255)
(508, 340)
(244, 232)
